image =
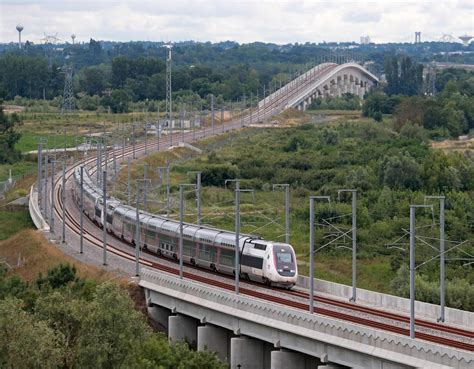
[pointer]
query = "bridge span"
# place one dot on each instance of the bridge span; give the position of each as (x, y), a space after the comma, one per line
(267, 334)
(252, 331)
(321, 81)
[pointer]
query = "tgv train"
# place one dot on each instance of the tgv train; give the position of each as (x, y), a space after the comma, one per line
(262, 261)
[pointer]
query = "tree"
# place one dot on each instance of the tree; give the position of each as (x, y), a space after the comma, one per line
(111, 330)
(400, 171)
(120, 71)
(92, 80)
(119, 101)
(57, 277)
(403, 76)
(8, 137)
(25, 342)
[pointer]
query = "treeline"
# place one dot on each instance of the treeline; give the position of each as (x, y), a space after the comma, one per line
(135, 71)
(449, 113)
(63, 321)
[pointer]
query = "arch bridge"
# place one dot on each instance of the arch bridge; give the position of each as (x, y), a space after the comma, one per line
(322, 81)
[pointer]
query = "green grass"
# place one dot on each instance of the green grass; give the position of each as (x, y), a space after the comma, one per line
(19, 169)
(13, 221)
(29, 141)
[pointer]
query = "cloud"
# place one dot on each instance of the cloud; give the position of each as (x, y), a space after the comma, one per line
(244, 21)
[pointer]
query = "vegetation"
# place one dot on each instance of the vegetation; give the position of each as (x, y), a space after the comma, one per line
(448, 114)
(348, 101)
(114, 75)
(64, 321)
(389, 169)
(8, 137)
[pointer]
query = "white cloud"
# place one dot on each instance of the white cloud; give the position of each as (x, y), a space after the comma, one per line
(240, 20)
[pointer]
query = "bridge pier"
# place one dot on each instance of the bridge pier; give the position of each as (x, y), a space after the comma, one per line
(182, 328)
(284, 359)
(160, 315)
(214, 339)
(246, 352)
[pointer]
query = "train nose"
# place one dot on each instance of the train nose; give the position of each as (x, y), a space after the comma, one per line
(286, 271)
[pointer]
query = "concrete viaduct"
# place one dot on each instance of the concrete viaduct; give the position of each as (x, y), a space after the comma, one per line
(324, 80)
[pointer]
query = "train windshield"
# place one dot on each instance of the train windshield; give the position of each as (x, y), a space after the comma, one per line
(284, 260)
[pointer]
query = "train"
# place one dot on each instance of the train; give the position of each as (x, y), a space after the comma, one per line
(263, 261)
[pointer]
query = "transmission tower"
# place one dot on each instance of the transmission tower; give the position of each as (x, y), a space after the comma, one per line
(68, 96)
(169, 109)
(50, 42)
(430, 81)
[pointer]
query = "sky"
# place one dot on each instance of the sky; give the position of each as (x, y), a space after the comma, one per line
(244, 21)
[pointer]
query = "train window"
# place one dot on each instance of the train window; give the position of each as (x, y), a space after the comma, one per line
(284, 257)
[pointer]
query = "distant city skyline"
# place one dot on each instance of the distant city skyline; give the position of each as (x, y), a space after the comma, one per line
(280, 22)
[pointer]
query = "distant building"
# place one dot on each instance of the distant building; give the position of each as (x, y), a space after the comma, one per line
(364, 40)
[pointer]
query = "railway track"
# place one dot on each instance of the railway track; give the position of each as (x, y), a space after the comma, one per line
(291, 303)
(73, 225)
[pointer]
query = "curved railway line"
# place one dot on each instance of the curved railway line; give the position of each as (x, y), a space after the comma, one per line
(73, 225)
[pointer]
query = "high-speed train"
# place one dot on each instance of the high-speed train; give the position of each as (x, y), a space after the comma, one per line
(267, 262)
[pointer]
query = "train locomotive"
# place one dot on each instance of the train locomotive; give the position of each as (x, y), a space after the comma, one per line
(268, 262)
